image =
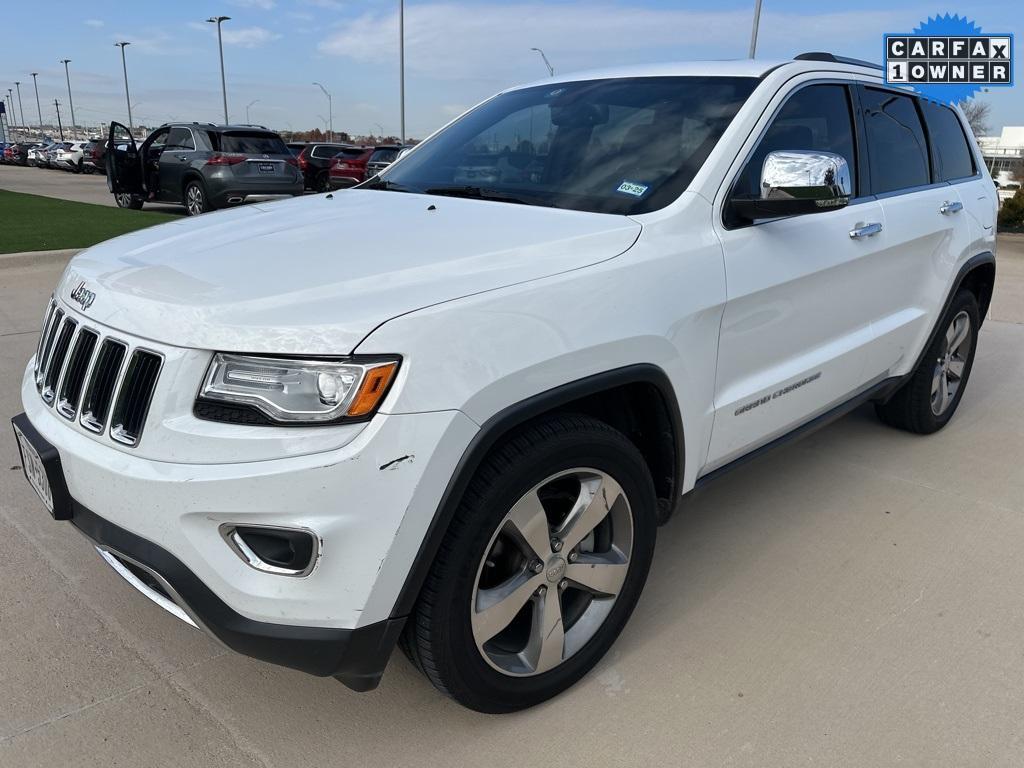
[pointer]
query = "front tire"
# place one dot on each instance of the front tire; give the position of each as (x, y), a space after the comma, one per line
(540, 568)
(125, 200)
(927, 402)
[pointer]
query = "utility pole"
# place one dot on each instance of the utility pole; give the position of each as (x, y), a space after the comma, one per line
(71, 103)
(21, 110)
(60, 127)
(330, 111)
(753, 31)
(401, 61)
(39, 107)
(218, 20)
(124, 65)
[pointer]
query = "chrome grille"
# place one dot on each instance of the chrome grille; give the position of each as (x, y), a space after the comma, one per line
(103, 382)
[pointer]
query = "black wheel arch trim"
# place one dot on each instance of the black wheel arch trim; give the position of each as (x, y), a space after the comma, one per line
(509, 419)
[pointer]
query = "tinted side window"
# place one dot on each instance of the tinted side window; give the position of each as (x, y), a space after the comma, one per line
(326, 150)
(180, 138)
(897, 150)
(950, 152)
(817, 117)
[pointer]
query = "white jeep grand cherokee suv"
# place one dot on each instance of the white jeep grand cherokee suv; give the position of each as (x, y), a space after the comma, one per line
(448, 409)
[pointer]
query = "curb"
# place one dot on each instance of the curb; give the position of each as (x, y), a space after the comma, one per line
(37, 258)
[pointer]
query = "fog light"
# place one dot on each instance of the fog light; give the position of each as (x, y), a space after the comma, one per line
(272, 549)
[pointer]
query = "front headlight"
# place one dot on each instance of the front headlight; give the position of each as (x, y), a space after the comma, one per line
(297, 391)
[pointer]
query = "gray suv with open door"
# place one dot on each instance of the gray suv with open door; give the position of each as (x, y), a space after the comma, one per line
(200, 166)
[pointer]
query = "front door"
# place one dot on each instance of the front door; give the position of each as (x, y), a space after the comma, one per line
(124, 167)
(794, 333)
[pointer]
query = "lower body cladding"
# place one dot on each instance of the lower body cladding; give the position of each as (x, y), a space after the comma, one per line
(165, 528)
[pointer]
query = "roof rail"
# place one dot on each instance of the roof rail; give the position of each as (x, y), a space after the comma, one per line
(825, 56)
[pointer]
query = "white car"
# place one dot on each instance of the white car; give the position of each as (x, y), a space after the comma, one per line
(69, 156)
(453, 416)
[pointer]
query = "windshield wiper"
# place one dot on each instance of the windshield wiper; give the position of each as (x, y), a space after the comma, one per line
(480, 193)
(390, 186)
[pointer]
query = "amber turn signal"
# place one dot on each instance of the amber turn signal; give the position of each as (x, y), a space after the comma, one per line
(372, 390)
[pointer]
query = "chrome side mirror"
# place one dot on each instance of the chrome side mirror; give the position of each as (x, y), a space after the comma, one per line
(796, 182)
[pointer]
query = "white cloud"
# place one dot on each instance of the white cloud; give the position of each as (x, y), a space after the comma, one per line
(95, 23)
(243, 37)
(453, 40)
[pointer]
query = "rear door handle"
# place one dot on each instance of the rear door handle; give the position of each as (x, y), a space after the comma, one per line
(950, 207)
(866, 230)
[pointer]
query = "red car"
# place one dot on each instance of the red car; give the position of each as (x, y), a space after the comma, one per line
(349, 166)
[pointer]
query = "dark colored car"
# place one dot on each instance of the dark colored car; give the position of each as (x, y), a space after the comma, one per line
(383, 156)
(296, 147)
(349, 167)
(201, 166)
(315, 162)
(94, 156)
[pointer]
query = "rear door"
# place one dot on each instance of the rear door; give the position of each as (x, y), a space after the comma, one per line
(927, 233)
(124, 167)
(176, 158)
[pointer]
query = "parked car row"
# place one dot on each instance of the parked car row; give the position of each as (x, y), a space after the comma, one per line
(328, 166)
(76, 156)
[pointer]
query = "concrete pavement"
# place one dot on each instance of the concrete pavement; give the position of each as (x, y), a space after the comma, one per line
(64, 185)
(851, 600)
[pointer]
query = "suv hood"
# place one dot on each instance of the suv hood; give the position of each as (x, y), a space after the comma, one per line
(315, 275)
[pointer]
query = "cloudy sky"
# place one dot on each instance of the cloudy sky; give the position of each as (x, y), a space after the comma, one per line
(456, 52)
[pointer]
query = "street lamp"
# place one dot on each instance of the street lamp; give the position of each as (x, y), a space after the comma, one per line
(551, 70)
(10, 100)
(127, 97)
(71, 104)
(330, 111)
(381, 129)
(218, 20)
(21, 109)
(753, 31)
(254, 101)
(39, 107)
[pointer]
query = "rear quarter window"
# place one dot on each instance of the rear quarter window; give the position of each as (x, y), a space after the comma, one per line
(951, 154)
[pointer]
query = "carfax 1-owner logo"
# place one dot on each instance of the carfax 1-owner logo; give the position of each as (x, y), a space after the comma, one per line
(949, 58)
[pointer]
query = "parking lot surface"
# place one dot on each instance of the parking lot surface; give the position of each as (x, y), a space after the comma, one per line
(81, 188)
(853, 599)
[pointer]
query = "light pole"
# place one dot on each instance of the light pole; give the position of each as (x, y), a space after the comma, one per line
(10, 100)
(381, 129)
(401, 63)
(71, 104)
(753, 31)
(254, 101)
(21, 110)
(60, 126)
(551, 70)
(127, 96)
(218, 20)
(330, 111)
(39, 107)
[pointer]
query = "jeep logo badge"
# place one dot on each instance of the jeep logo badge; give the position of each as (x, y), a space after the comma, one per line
(83, 296)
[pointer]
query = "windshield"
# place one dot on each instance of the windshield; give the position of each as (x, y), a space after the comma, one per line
(626, 146)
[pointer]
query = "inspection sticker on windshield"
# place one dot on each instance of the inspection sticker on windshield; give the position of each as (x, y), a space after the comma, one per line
(632, 188)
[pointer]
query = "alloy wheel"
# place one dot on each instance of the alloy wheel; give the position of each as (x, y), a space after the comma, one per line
(194, 200)
(949, 367)
(551, 572)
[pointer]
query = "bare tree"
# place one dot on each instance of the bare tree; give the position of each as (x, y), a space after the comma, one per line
(977, 113)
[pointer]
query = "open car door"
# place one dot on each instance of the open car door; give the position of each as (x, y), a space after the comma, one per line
(124, 166)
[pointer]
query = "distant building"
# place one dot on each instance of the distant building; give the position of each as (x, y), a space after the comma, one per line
(1004, 156)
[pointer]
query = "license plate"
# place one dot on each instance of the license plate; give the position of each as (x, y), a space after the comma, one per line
(267, 168)
(35, 472)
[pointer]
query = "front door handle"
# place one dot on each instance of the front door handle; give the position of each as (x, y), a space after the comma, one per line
(866, 230)
(950, 207)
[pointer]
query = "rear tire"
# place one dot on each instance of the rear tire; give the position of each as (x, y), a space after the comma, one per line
(196, 200)
(569, 581)
(125, 200)
(322, 182)
(928, 400)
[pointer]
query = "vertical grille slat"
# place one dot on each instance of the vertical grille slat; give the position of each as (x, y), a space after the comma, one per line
(78, 365)
(58, 357)
(47, 347)
(100, 391)
(106, 383)
(134, 398)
